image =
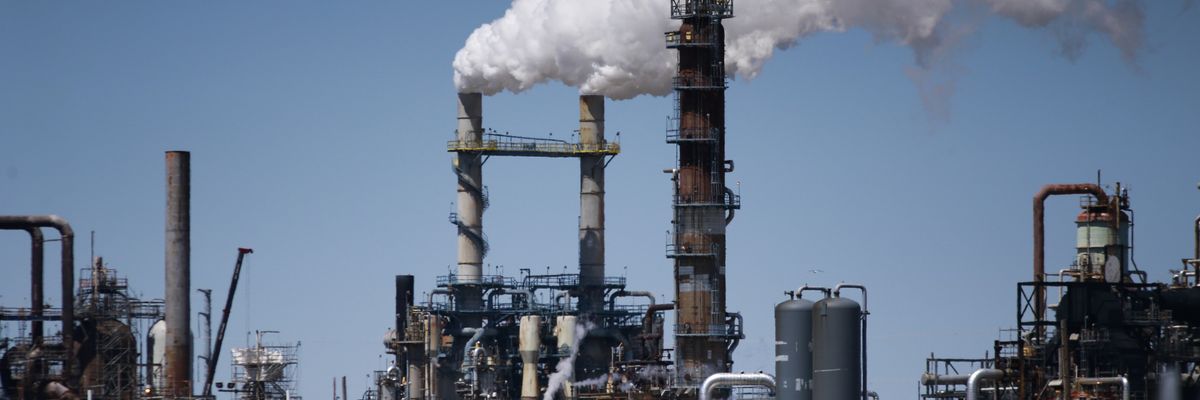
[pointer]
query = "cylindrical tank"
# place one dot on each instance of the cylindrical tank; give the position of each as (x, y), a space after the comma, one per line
(529, 344)
(1101, 249)
(793, 351)
(564, 334)
(836, 338)
(156, 344)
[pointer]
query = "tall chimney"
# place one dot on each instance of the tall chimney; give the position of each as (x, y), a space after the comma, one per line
(178, 358)
(591, 203)
(468, 166)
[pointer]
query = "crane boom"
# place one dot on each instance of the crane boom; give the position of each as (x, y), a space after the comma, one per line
(216, 353)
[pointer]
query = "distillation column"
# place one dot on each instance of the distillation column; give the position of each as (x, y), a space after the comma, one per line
(591, 204)
(468, 167)
(701, 205)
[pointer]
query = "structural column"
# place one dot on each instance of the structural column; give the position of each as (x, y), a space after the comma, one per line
(591, 203)
(178, 359)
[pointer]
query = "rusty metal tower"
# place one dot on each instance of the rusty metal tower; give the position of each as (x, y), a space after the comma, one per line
(705, 333)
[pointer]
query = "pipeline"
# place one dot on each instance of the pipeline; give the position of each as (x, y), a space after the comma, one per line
(526, 293)
(36, 280)
(726, 379)
(800, 290)
(837, 292)
(1124, 382)
(26, 222)
(977, 377)
(612, 298)
(729, 200)
(928, 379)
(1039, 237)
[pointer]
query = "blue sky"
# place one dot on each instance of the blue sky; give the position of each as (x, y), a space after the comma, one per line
(317, 134)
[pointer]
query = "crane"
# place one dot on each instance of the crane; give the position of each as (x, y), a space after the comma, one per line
(216, 353)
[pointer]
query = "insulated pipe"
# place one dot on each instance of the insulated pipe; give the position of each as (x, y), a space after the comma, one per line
(928, 379)
(837, 292)
(612, 298)
(1039, 238)
(1124, 382)
(726, 379)
(468, 167)
(178, 312)
(591, 203)
(648, 319)
(978, 377)
(25, 222)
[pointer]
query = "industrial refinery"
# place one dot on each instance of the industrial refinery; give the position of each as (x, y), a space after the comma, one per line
(1095, 327)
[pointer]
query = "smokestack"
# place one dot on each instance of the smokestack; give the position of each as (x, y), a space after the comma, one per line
(468, 166)
(178, 360)
(528, 345)
(591, 203)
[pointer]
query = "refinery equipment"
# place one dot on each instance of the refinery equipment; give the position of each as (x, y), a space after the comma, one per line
(497, 337)
(98, 354)
(264, 371)
(1113, 333)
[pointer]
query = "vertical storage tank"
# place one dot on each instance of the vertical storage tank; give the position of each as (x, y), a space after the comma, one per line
(793, 351)
(836, 334)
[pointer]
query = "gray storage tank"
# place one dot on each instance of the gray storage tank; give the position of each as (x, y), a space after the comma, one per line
(793, 351)
(836, 335)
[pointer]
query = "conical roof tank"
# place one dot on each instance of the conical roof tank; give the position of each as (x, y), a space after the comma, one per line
(836, 336)
(793, 351)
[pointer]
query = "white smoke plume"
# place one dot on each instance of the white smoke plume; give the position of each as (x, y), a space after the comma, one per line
(565, 369)
(616, 47)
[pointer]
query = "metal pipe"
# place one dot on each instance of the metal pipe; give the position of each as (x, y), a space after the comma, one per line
(1039, 239)
(37, 253)
(929, 379)
(837, 292)
(726, 379)
(630, 293)
(178, 312)
(476, 335)
(591, 204)
(800, 290)
(1124, 382)
(526, 293)
(26, 222)
(978, 377)
(730, 212)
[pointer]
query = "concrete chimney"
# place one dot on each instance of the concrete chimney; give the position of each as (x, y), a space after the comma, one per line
(178, 358)
(591, 203)
(468, 166)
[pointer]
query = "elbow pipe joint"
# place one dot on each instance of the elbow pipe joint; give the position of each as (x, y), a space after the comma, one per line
(725, 379)
(1118, 380)
(837, 292)
(30, 222)
(800, 291)
(630, 293)
(976, 378)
